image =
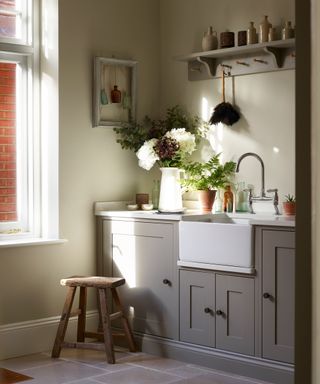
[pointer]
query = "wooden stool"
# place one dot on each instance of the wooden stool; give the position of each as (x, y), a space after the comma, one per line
(104, 285)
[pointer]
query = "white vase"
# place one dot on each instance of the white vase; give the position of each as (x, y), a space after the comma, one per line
(170, 199)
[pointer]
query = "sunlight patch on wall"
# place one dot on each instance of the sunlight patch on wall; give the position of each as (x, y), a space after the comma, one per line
(276, 149)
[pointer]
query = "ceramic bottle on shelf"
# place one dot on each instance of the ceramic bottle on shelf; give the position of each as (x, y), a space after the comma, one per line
(287, 31)
(272, 34)
(264, 30)
(252, 34)
(209, 40)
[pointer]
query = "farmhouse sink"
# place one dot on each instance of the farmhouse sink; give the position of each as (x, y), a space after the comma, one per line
(216, 240)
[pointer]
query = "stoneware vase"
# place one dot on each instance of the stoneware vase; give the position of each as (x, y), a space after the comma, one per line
(289, 208)
(170, 199)
(206, 199)
(209, 40)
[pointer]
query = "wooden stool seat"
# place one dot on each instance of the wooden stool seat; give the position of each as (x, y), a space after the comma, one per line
(93, 281)
(105, 286)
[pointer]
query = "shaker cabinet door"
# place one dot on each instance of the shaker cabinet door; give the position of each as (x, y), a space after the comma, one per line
(197, 307)
(143, 253)
(278, 287)
(235, 314)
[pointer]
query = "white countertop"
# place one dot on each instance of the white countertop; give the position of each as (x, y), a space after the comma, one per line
(118, 209)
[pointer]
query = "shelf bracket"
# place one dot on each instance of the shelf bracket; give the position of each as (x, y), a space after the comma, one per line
(202, 68)
(275, 55)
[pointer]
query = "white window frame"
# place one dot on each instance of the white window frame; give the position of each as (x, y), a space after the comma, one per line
(38, 145)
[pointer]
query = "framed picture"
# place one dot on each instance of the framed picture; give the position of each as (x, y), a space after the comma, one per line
(114, 91)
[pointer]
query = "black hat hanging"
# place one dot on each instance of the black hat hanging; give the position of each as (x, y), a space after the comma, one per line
(224, 112)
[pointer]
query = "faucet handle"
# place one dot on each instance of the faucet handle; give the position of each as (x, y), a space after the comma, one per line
(275, 199)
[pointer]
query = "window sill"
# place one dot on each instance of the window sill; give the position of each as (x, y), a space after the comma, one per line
(28, 242)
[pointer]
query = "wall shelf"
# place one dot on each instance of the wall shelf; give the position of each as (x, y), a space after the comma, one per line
(247, 59)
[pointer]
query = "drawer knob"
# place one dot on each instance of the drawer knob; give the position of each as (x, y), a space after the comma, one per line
(219, 312)
(266, 295)
(166, 282)
(207, 310)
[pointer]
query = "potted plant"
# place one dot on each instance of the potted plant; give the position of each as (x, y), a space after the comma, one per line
(289, 205)
(206, 178)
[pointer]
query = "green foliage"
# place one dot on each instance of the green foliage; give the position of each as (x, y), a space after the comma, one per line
(132, 135)
(209, 175)
(290, 198)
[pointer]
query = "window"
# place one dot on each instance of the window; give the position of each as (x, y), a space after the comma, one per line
(28, 165)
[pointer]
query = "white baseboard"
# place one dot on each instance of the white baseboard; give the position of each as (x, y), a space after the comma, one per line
(25, 338)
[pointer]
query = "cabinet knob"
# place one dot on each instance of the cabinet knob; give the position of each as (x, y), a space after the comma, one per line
(266, 295)
(219, 312)
(207, 310)
(166, 282)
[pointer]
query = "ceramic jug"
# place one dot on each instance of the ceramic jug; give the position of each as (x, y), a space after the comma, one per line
(209, 40)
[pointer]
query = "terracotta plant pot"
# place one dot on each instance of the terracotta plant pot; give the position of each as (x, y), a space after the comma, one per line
(289, 208)
(206, 199)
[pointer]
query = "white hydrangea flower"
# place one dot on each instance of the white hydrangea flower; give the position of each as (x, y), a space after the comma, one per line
(146, 154)
(186, 140)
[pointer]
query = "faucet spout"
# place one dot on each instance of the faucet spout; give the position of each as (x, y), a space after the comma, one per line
(252, 154)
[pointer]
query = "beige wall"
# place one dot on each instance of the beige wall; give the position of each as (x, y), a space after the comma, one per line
(266, 100)
(92, 166)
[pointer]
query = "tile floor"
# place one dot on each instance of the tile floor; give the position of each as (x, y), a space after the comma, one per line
(90, 367)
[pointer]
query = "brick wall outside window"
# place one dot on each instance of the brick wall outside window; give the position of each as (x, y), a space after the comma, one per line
(7, 22)
(8, 198)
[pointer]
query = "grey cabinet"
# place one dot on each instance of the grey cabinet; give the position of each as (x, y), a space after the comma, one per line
(217, 310)
(277, 294)
(144, 254)
(197, 307)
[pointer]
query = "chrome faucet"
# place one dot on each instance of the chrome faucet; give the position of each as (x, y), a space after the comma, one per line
(263, 195)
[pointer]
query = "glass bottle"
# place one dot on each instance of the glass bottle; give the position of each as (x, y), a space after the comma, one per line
(242, 198)
(218, 203)
(155, 193)
(228, 195)
(116, 95)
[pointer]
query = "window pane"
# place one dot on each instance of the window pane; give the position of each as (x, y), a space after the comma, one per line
(8, 197)
(8, 18)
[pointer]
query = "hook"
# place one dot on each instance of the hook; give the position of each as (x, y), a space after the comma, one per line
(226, 66)
(243, 63)
(228, 72)
(260, 61)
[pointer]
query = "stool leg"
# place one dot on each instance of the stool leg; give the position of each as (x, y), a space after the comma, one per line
(106, 325)
(63, 322)
(125, 322)
(82, 316)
